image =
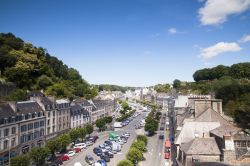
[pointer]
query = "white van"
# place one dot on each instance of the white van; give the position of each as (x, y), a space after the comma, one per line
(80, 145)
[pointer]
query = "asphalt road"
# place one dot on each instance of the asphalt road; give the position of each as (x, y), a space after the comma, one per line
(102, 137)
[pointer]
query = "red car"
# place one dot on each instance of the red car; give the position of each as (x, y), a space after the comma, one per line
(167, 155)
(64, 157)
(77, 150)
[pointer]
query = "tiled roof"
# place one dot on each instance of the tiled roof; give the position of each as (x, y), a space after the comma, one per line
(46, 101)
(225, 130)
(26, 107)
(201, 146)
(6, 111)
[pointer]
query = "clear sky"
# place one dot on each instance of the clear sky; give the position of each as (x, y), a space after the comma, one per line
(134, 42)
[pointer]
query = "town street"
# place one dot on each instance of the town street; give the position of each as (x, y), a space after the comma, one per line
(104, 136)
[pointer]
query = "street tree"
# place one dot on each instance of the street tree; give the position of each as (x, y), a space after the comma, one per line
(125, 163)
(64, 141)
(142, 138)
(82, 133)
(140, 145)
(74, 134)
(100, 123)
(53, 145)
(134, 155)
(108, 119)
(38, 155)
(20, 160)
(89, 129)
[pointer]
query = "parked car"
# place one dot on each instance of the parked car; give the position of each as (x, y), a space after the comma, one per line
(110, 154)
(89, 143)
(93, 138)
(70, 153)
(97, 151)
(89, 159)
(161, 136)
(77, 150)
(63, 157)
(108, 142)
(80, 145)
(167, 155)
(105, 157)
(102, 162)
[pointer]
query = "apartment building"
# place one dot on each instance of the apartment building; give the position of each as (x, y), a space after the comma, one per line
(79, 116)
(63, 115)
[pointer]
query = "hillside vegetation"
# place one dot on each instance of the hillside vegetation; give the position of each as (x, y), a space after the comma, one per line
(33, 68)
(229, 83)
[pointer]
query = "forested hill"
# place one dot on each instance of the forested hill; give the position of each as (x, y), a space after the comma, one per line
(229, 83)
(33, 68)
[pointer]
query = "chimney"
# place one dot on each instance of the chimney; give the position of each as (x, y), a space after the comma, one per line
(13, 105)
(228, 141)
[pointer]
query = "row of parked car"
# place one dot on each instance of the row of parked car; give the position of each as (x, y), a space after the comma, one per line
(77, 147)
(108, 149)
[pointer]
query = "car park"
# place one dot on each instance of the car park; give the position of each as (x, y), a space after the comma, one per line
(89, 143)
(89, 159)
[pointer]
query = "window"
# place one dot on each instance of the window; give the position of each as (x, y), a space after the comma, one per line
(23, 128)
(48, 130)
(54, 113)
(247, 144)
(13, 130)
(36, 134)
(237, 143)
(36, 125)
(30, 136)
(5, 144)
(30, 126)
(48, 114)
(53, 129)
(6, 132)
(13, 142)
(41, 123)
(53, 120)
(48, 121)
(244, 144)
(23, 138)
(41, 132)
(0, 133)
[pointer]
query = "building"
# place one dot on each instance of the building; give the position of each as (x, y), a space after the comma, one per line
(8, 132)
(31, 125)
(63, 116)
(79, 116)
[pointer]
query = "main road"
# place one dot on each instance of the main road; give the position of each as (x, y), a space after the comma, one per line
(104, 136)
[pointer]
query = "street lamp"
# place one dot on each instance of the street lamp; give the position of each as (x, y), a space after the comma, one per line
(7, 139)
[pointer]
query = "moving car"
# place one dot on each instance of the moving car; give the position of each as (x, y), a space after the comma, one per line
(89, 159)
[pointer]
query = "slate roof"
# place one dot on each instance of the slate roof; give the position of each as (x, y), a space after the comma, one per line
(46, 101)
(36, 93)
(211, 116)
(6, 111)
(26, 107)
(225, 130)
(201, 146)
(77, 109)
(82, 102)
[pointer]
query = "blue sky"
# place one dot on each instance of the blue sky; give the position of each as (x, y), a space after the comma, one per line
(134, 42)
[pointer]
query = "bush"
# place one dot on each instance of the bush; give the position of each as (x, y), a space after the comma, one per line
(125, 163)
(134, 155)
(142, 138)
(140, 145)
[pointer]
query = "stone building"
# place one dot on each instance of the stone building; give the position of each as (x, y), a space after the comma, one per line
(79, 116)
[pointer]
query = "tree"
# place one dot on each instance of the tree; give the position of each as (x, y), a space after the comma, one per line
(100, 123)
(74, 134)
(64, 141)
(176, 83)
(134, 155)
(125, 163)
(140, 145)
(89, 129)
(21, 160)
(108, 119)
(38, 155)
(44, 81)
(82, 133)
(53, 145)
(151, 125)
(142, 138)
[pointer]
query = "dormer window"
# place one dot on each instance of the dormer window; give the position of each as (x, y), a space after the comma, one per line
(5, 121)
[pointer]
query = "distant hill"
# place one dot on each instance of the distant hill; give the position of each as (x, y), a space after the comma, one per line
(109, 87)
(33, 68)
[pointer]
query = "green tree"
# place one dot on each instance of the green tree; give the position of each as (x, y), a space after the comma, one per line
(82, 133)
(53, 145)
(89, 129)
(108, 119)
(38, 155)
(125, 163)
(44, 81)
(100, 123)
(20, 160)
(176, 83)
(74, 134)
(17, 95)
(142, 138)
(140, 145)
(151, 125)
(134, 155)
(64, 141)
